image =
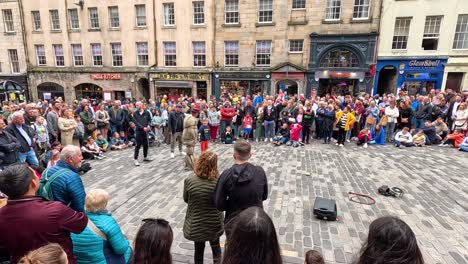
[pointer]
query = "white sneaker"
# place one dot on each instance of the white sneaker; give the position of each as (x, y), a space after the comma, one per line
(336, 144)
(183, 153)
(136, 162)
(341, 145)
(172, 155)
(266, 140)
(271, 140)
(365, 145)
(256, 140)
(348, 140)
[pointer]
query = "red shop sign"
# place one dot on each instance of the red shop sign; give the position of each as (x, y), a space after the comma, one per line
(106, 76)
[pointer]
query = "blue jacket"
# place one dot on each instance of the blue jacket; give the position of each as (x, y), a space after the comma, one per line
(89, 247)
(378, 138)
(68, 188)
(257, 100)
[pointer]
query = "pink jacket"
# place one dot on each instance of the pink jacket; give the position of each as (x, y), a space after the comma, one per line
(295, 132)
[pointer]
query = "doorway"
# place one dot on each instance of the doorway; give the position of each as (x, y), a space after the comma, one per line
(49, 90)
(387, 80)
(454, 81)
(288, 86)
(143, 86)
(88, 91)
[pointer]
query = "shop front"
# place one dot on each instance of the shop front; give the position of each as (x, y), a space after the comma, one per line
(456, 72)
(176, 84)
(241, 83)
(288, 78)
(12, 91)
(341, 64)
(411, 75)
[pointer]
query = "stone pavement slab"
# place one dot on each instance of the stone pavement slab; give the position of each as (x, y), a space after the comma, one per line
(435, 203)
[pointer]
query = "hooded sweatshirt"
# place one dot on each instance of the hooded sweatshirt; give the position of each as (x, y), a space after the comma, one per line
(240, 187)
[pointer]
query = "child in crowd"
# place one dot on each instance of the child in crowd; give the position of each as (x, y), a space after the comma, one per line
(89, 153)
(204, 134)
(282, 137)
(79, 131)
(404, 138)
(124, 139)
(295, 135)
(313, 257)
(377, 135)
(228, 137)
(419, 139)
(454, 139)
(42, 134)
(363, 137)
(55, 157)
(247, 122)
(464, 145)
(102, 143)
(117, 142)
(131, 133)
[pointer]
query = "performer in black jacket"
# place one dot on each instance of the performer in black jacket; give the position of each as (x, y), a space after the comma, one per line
(142, 120)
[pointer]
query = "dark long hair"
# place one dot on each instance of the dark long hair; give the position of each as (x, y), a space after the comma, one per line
(390, 241)
(253, 239)
(153, 242)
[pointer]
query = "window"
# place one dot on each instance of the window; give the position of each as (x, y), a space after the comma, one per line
(142, 53)
(77, 54)
(361, 9)
(74, 19)
(114, 21)
(199, 54)
(169, 16)
(93, 17)
(431, 32)
(263, 53)
(231, 53)
(13, 55)
(298, 4)
(333, 10)
(36, 20)
(170, 57)
(97, 54)
(54, 19)
(116, 50)
(339, 58)
(140, 14)
(8, 20)
(265, 11)
(58, 53)
(198, 13)
(40, 55)
(232, 12)
(296, 46)
(461, 33)
(401, 32)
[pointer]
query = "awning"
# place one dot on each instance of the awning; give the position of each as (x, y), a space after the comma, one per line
(8, 86)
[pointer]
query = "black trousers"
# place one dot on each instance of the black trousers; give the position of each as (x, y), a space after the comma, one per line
(341, 135)
(362, 141)
(141, 139)
(306, 134)
(200, 250)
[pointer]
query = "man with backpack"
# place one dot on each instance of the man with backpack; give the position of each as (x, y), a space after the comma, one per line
(62, 182)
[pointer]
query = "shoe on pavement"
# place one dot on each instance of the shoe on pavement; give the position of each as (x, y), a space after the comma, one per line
(149, 158)
(266, 140)
(348, 140)
(271, 140)
(99, 157)
(336, 144)
(183, 153)
(341, 145)
(172, 154)
(136, 162)
(365, 145)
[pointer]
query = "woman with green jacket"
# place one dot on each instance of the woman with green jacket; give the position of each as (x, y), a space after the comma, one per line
(203, 222)
(259, 131)
(88, 121)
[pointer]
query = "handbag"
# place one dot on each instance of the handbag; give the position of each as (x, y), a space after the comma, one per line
(370, 120)
(91, 127)
(111, 257)
(384, 120)
(101, 125)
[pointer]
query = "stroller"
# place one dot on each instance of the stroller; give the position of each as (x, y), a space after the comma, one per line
(156, 137)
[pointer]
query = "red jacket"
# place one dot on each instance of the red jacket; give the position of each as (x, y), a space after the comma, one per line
(295, 132)
(360, 136)
(227, 113)
(248, 122)
(32, 222)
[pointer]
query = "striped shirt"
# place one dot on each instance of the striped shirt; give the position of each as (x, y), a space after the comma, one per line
(343, 120)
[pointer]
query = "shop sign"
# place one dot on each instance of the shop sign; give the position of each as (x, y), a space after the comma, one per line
(106, 76)
(424, 63)
(180, 76)
(242, 75)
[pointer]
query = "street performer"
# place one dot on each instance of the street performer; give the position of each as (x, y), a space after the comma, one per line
(142, 120)
(190, 136)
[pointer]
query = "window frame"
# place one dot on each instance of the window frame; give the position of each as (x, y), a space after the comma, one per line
(226, 59)
(195, 13)
(36, 21)
(93, 19)
(199, 56)
(257, 58)
(114, 16)
(304, 2)
(139, 16)
(52, 13)
(74, 56)
(396, 41)
(8, 20)
(38, 59)
(14, 61)
(72, 12)
(328, 8)
(115, 56)
(54, 47)
(95, 57)
(295, 52)
(459, 33)
(236, 12)
(140, 56)
(361, 6)
(169, 6)
(169, 54)
(267, 11)
(432, 23)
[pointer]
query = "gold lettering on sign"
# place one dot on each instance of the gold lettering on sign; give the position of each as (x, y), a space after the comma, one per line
(180, 76)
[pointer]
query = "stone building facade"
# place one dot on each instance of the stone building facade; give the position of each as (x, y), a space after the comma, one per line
(13, 66)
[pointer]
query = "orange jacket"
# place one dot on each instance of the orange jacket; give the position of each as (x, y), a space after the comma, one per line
(457, 138)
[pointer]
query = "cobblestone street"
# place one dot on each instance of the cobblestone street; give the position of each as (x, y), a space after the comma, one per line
(435, 204)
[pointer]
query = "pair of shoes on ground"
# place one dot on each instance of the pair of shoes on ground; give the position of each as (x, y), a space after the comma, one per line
(137, 163)
(181, 153)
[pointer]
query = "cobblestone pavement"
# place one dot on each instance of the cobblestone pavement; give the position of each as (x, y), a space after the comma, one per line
(435, 204)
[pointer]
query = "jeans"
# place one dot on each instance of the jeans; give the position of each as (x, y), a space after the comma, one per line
(327, 134)
(269, 129)
(200, 250)
(319, 129)
(141, 139)
(116, 128)
(29, 157)
(177, 136)
(348, 135)
(463, 147)
(419, 123)
(237, 130)
(406, 144)
(223, 126)
(389, 131)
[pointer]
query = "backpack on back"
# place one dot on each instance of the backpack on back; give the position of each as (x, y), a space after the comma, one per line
(45, 183)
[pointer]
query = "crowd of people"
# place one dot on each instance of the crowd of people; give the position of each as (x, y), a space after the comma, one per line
(43, 144)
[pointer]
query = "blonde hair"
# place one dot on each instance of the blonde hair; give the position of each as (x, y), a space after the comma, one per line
(49, 254)
(96, 200)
